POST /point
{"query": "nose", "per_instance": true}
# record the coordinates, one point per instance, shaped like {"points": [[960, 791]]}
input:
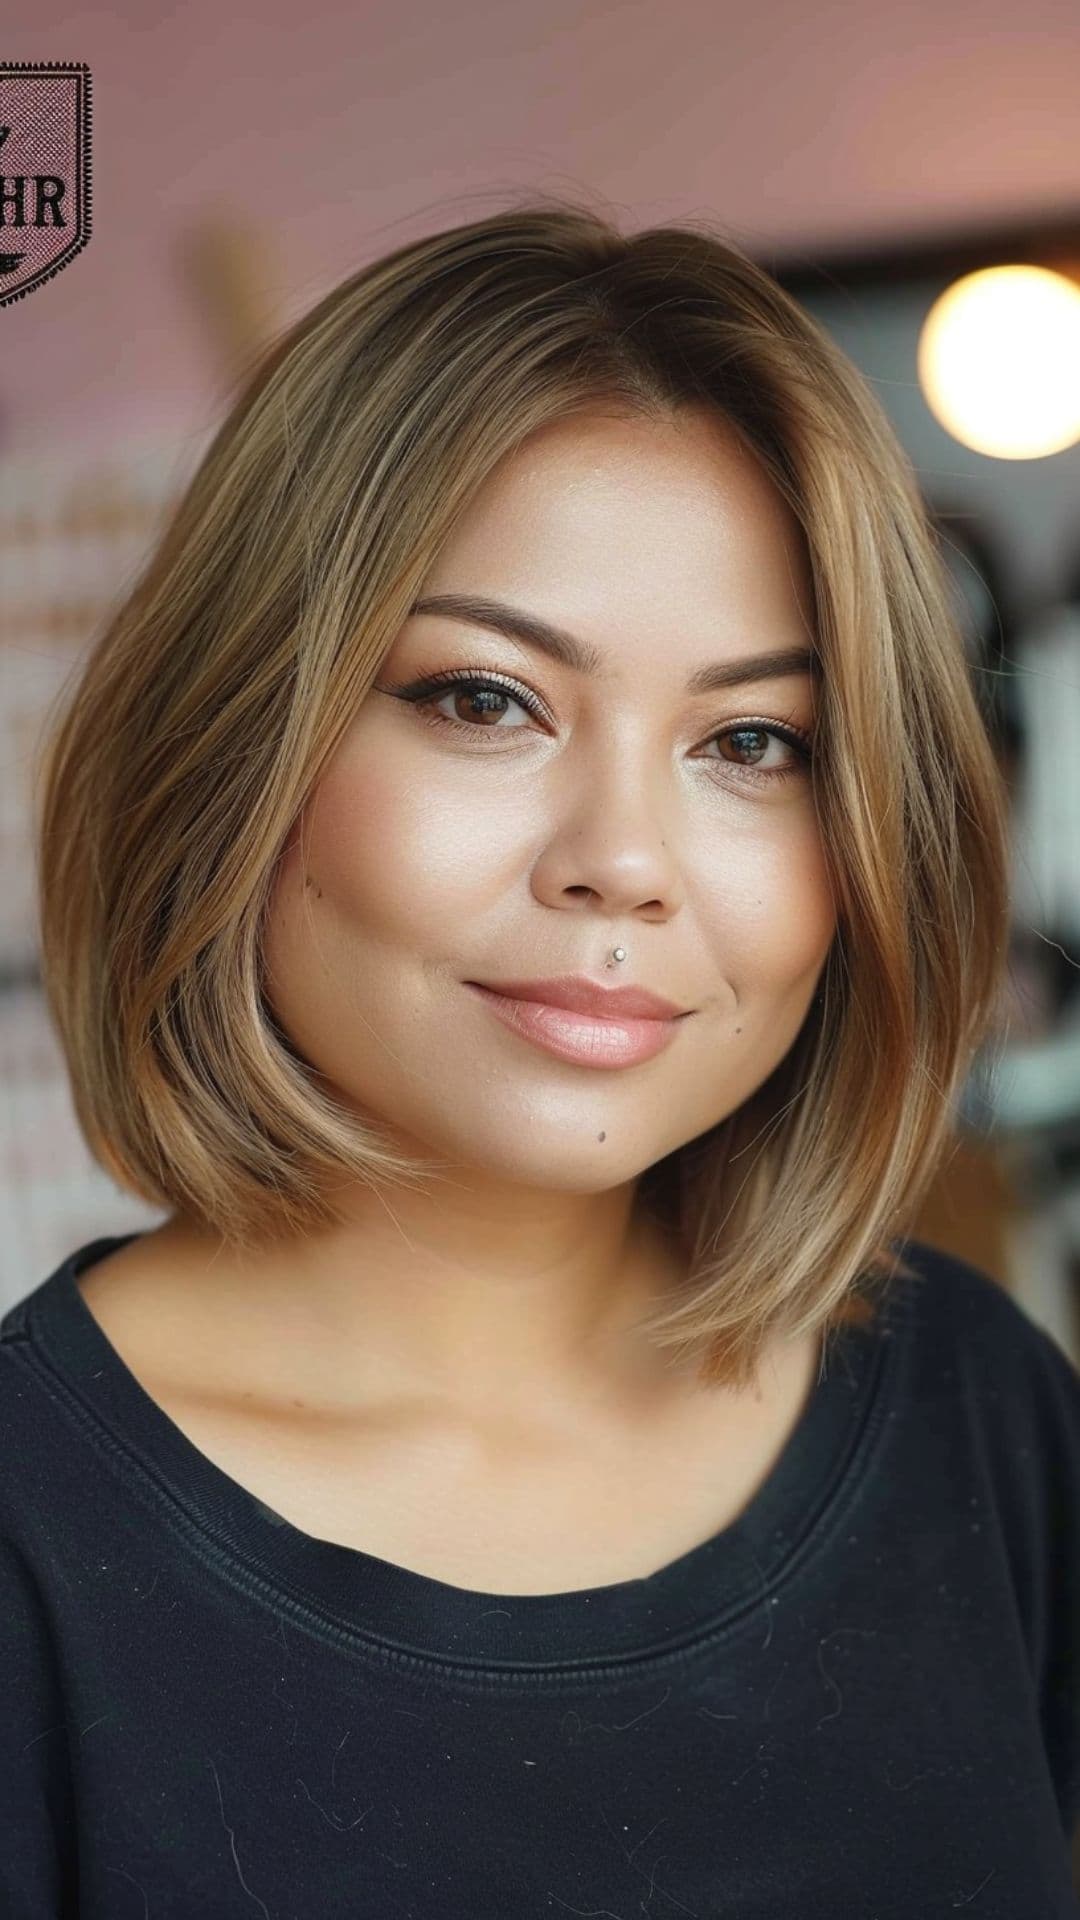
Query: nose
{"points": [[612, 848]]}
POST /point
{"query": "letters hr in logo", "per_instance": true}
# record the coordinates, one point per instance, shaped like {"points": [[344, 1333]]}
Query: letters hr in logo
{"points": [[46, 193], [44, 171]]}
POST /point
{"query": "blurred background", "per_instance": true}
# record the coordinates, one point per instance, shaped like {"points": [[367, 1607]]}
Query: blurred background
{"points": [[911, 174]]}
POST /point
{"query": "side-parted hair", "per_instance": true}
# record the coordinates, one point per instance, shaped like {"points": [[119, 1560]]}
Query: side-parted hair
{"points": [[223, 682]]}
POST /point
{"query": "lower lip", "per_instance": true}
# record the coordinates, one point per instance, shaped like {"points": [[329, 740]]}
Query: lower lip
{"points": [[585, 1038]]}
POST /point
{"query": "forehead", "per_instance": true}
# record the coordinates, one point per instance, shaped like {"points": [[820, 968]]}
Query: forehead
{"points": [[647, 527]]}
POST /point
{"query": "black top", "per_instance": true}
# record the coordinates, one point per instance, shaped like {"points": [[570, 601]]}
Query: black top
{"points": [[860, 1700]]}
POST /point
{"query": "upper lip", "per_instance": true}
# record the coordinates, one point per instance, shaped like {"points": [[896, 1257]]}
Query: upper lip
{"points": [[579, 994]]}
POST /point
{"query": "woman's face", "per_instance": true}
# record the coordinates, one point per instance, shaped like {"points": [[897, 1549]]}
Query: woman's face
{"points": [[624, 811]]}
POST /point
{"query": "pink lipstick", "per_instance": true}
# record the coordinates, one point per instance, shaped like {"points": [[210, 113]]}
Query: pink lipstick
{"points": [[576, 1019]]}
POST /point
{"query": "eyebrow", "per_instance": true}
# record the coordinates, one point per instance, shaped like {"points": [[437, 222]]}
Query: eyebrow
{"points": [[571, 652]]}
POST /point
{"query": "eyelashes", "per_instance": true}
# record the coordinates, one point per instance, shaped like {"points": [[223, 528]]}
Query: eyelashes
{"points": [[424, 693]]}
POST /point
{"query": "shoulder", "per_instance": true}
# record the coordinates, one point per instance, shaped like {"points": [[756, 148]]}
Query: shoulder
{"points": [[33, 1428], [951, 1297], [1000, 1391], [982, 1374], [49, 1356]]}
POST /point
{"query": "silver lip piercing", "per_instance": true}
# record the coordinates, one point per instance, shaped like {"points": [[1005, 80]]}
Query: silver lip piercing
{"points": [[617, 953]]}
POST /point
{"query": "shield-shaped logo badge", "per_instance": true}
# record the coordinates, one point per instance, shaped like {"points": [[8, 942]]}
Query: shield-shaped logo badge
{"points": [[44, 171]]}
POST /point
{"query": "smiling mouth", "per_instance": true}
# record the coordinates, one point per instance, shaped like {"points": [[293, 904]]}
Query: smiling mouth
{"points": [[586, 1039]]}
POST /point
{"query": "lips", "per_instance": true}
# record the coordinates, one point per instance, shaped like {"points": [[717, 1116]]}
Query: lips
{"points": [[583, 1039], [578, 994]]}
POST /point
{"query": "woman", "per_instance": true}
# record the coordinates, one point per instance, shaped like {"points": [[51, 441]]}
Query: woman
{"points": [[523, 881]]}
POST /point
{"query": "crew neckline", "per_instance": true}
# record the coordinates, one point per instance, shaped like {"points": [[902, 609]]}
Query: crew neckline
{"points": [[399, 1613]]}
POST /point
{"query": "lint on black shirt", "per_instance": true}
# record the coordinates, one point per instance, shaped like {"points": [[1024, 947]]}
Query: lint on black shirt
{"points": [[860, 1699]]}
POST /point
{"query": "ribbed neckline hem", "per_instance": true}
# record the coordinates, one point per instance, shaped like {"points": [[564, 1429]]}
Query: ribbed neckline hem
{"points": [[401, 1612]]}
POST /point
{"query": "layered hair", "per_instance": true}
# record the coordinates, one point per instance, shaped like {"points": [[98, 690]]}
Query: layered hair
{"points": [[224, 680]]}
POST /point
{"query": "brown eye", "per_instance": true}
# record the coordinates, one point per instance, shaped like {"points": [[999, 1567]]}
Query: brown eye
{"points": [[755, 731], [476, 702], [481, 695]]}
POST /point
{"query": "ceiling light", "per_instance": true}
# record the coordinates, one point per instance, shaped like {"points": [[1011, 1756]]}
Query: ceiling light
{"points": [[999, 361]]}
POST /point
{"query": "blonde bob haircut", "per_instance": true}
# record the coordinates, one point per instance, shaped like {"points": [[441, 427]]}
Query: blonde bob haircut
{"points": [[224, 680]]}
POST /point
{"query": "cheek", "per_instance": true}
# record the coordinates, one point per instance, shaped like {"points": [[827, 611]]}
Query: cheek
{"points": [[387, 856], [771, 908]]}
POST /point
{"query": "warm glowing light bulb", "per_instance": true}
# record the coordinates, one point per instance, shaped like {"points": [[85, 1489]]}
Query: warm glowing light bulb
{"points": [[999, 361]]}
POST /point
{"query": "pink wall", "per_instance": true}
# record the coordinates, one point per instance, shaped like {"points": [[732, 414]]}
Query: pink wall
{"points": [[342, 130]]}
